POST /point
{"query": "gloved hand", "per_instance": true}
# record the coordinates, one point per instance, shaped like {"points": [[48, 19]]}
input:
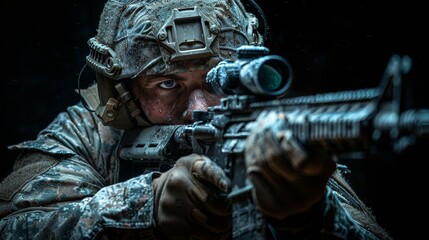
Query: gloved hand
{"points": [[286, 179], [187, 203]]}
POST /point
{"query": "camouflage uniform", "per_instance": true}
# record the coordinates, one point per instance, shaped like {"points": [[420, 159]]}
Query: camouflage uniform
{"points": [[65, 186]]}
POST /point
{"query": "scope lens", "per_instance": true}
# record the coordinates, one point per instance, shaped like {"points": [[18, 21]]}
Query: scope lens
{"points": [[269, 78]]}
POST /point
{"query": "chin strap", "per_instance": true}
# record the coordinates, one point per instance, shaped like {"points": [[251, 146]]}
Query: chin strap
{"points": [[113, 109], [109, 112], [132, 105]]}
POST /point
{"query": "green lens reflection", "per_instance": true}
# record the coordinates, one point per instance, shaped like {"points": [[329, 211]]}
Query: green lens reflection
{"points": [[269, 78]]}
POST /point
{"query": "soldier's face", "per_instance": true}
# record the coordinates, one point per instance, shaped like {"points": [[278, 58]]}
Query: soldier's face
{"points": [[171, 99]]}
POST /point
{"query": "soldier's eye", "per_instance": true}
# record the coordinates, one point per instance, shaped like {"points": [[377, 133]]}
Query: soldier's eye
{"points": [[168, 84]]}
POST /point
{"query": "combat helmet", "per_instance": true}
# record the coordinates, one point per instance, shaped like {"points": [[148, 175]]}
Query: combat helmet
{"points": [[161, 37]]}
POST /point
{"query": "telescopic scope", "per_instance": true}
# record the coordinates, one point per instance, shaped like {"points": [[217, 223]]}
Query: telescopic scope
{"points": [[269, 75]]}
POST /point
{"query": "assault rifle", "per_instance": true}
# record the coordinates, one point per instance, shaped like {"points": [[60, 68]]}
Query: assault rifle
{"points": [[358, 121]]}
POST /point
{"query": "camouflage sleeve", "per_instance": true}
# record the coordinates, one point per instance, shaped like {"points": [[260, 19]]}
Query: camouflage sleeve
{"points": [[340, 215], [346, 216], [62, 186]]}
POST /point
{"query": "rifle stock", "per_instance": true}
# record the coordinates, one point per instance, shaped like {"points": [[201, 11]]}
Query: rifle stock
{"points": [[368, 121]]}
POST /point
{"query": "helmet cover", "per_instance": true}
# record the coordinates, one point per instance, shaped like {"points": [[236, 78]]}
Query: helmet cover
{"points": [[142, 34]]}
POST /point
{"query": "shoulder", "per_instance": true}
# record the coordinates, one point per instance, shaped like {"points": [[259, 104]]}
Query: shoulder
{"points": [[76, 129]]}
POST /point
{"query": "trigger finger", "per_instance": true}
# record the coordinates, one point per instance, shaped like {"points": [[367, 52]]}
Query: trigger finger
{"points": [[206, 169]]}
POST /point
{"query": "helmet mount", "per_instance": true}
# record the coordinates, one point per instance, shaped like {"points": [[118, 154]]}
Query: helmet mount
{"points": [[187, 35]]}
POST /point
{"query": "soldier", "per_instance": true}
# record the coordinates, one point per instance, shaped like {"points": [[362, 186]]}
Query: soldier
{"points": [[150, 59]]}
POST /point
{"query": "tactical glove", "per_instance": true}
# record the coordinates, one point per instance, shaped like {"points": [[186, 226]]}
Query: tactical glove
{"points": [[187, 203], [286, 179]]}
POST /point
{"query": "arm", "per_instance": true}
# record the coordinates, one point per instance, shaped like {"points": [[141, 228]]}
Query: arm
{"points": [[339, 215], [302, 194], [59, 187]]}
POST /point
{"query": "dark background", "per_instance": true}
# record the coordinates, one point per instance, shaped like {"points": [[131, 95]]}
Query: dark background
{"points": [[332, 46]]}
